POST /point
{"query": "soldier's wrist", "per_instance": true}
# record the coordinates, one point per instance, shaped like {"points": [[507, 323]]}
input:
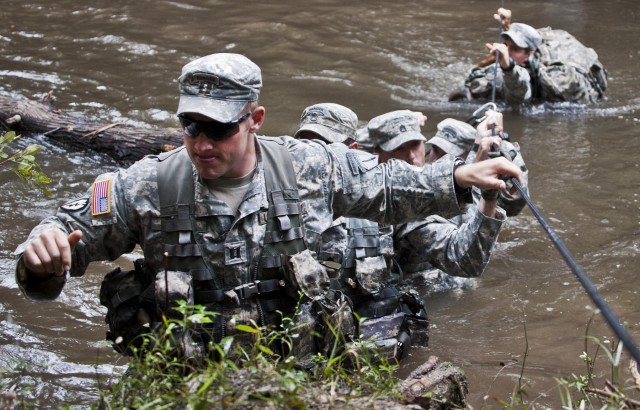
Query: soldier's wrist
{"points": [[463, 194], [511, 66], [490, 194]]}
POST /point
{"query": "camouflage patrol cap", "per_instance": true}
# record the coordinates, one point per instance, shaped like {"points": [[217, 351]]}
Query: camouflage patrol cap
{"points": [[219, 86], [333, 122], [523, 35], [389, 131], [454, 137]]}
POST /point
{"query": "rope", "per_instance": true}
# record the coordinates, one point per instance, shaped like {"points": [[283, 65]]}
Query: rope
{"points": [[495, 65], [602, 305], [610, 317]]}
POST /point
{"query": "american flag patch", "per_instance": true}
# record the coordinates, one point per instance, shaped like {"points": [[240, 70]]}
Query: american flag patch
{"points": [[100, 203]]}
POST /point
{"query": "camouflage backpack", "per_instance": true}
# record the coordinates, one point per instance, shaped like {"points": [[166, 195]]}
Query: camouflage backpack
{"points": [[565, 70]]}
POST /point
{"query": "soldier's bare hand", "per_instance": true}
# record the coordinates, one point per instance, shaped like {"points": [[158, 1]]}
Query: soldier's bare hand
{"points": [[492, 125], [422, 119], [50, 253], [486, 174], [485, 146], [502, 14], [503, 51]]}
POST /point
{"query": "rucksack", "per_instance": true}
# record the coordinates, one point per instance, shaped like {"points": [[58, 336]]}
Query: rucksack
{"points": [[565, 70]]}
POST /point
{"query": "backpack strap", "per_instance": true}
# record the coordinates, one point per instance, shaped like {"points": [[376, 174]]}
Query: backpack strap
{"points": [[284, 234]]}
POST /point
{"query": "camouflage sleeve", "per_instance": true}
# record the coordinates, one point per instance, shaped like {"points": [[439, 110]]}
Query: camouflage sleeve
{"points": [[517, 85], [103, 217], [390, 193], [459, 250]]}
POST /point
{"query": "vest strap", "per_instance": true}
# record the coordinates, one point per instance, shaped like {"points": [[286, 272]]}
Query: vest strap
{"points": [[275, 261], [277, 236], [181, 251]]}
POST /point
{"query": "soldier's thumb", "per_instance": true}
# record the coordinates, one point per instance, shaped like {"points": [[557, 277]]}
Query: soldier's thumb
{"points": [[74, 238]]}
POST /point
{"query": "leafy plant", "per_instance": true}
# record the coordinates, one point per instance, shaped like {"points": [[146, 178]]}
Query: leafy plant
{"points": [[235, 375], [23, 163]]}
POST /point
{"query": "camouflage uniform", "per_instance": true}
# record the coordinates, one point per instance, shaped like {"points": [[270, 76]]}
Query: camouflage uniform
{"points": [[359, 255], [332, 181], [432, 252], [560, 69], [457, 249]]}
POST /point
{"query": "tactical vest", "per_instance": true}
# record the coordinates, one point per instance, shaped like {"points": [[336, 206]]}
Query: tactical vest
{"points": [[363, 241], [284, 232], [362, 271]]}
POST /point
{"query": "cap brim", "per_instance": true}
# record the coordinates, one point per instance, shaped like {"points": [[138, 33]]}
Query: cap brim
{"points": [[326, 133], [516, 38], [446, 146], [401, 139], [218, 110]]}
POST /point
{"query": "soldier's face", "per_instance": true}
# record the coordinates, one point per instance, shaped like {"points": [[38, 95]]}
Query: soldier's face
{"points": [[411, 152], [519, 55], [434, 154], [232, 157]]}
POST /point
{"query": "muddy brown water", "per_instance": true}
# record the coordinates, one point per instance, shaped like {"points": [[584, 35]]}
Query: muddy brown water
{"points": [[118, 61]]}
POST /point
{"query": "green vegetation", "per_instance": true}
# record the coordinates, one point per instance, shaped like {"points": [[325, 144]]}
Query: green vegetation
{"points": [[23, 163], [261, 378], [236, 378], [580, 391]]}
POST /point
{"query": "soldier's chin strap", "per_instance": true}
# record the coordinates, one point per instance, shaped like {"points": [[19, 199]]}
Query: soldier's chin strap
{"points": [[602, 305]]}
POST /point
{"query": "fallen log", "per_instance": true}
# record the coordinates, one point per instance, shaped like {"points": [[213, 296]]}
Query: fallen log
{"points": [[123, 142]]}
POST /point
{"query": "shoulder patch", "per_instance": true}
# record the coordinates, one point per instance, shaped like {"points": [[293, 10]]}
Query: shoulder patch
{"points": [[101, 197], [361, 161], [353, 163], [76, 205]]}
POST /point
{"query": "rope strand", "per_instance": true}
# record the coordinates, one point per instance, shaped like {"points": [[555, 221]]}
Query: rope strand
{"points": [[602, 305]]}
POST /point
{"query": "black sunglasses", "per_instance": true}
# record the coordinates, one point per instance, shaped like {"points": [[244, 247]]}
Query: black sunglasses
{"points": [[217, 131]]}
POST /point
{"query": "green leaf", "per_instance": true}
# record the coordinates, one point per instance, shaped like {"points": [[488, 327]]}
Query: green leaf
{"points": [[248, 329], [266, 350], [33, 149], [199, 318]]}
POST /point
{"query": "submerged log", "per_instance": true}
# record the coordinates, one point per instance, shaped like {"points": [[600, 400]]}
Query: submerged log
{"points": [[121, 141]]}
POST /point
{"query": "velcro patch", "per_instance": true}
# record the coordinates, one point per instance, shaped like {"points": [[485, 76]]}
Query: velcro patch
{"points": [[235, 252], [101, 197], [76, 205], [354, 164], [360, 162]]}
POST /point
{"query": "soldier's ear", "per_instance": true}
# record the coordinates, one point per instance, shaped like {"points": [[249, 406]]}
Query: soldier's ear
{"points": [[257, 118]]}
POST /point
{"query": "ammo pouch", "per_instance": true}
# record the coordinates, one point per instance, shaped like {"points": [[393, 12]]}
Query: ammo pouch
{"points": [[306, 275], [480, 82], [322, 326], [395, 320], [171, 287], [371, 273], [130, 307], [390, 336], [336, 324]]}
